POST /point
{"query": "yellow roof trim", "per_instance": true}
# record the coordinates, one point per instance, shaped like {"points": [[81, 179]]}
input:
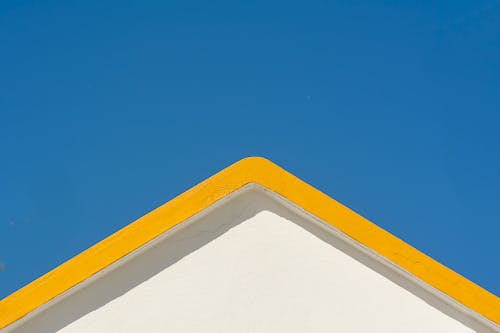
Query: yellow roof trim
{"points": [[249, 170]]}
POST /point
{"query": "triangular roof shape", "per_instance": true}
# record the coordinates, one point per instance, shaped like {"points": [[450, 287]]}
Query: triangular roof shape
{"points": [[260, 171]]}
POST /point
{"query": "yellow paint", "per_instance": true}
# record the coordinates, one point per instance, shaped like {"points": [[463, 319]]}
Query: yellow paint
{"points": [[250, 170]]}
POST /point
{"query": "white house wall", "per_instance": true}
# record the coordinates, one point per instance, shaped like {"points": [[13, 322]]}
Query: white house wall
{"points": [[250, 265]]}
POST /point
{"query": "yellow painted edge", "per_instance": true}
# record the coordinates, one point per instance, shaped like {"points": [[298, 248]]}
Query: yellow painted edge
{"points": [[250, 170]]}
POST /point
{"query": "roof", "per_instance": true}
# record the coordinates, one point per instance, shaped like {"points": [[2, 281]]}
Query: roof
{"points": [[267, 174]]}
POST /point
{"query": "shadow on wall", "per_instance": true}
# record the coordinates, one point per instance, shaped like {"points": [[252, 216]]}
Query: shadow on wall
{"points": [[191, 236]]}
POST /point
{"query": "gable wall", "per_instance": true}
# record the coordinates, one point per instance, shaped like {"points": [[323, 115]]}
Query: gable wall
{"points": [[251, 264]]}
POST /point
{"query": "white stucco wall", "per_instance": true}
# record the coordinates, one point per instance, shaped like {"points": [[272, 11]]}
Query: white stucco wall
{"points": [[250, 265]]}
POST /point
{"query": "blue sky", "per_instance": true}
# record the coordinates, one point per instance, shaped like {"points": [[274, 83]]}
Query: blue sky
{"points": [[110, 108]]}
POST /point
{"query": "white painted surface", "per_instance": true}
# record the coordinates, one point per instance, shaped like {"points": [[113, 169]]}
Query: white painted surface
{"points": [[250, 266]]}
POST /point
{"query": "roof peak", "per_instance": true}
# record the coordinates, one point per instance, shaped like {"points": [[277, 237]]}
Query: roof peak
{"points": [[265, 173]]}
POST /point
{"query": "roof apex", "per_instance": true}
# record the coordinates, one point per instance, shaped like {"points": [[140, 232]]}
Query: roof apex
{"points": [[261, 171]]}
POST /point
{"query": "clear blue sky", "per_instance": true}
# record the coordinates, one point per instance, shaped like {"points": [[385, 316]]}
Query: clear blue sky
{"points": [[110, 108]]}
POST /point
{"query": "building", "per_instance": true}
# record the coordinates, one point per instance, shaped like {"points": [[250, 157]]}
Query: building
{"points": [[251, 249]]}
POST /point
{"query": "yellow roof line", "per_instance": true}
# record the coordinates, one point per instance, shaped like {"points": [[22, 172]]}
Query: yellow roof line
{"points": [[265, 173]]}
